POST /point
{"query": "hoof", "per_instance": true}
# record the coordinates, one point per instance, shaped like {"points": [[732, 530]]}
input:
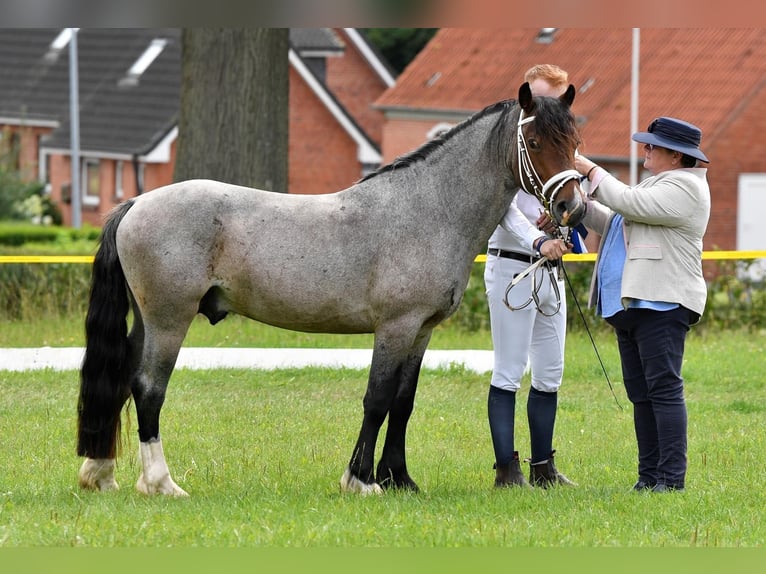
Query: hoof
{"points": [[165, 486], [155, 476], [350, 483], [405, 483], [97, 474]]}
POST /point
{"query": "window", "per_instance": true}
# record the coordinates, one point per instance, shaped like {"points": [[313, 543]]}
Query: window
{"points": [[545, 35], [143, 62], [91, 182]]}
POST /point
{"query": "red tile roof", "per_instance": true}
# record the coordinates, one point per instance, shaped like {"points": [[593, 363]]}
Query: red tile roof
{"points": [[704, 76]]}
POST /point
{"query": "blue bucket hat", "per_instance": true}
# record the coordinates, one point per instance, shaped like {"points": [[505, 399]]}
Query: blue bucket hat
{"points": [[674, 134]]}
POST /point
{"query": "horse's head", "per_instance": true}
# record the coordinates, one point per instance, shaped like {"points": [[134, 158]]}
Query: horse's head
{"points": [[547, 140]]}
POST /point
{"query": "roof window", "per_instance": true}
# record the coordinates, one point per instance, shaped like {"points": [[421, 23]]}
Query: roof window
{"points": [[545, 35], [143, 62], [59, 43]]}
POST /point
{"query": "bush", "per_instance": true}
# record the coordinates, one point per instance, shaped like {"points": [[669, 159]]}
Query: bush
{"points": [[15, 196], [15, 234], [30, 291], [736, 297]]}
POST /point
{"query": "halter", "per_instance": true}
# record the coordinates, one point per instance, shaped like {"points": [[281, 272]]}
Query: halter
{"points": [[529, 176], [546, 196]]}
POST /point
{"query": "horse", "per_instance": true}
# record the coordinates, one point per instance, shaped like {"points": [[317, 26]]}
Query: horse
{"points": [[390, 255]]}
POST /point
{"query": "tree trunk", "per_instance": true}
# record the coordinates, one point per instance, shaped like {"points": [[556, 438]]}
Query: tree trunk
{"points": [[233, 123]]}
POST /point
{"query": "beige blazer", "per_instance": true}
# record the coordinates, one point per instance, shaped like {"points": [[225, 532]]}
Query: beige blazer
{"points": [[665, 219]]}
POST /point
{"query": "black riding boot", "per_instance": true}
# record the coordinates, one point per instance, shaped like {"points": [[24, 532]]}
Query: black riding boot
{"points": [[544, 474], [541, 413], [510, 474], [501, 407]]}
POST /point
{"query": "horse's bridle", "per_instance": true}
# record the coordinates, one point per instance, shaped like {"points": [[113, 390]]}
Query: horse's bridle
{"points": [[529, 176], [546, 196]]}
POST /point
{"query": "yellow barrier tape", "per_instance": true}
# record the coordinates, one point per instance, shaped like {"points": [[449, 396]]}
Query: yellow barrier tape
{"points": [[574, 257], [706, 255], [46, 259]]}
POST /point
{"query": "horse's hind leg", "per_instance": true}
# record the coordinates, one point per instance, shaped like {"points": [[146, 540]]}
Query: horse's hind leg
{"points": [[98, 474], [392, 467], [160, 351]]}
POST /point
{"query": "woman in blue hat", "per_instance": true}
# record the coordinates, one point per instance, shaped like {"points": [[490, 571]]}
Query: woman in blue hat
{"points": [[648, 284]]}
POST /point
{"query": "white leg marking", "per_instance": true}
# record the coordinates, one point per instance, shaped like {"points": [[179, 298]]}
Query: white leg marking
{"points": [[97, 474], [350, 483], [155, 476]]}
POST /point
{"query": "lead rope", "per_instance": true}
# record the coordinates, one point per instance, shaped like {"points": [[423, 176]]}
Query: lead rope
{"points": [[590, 336], [535, 288]]}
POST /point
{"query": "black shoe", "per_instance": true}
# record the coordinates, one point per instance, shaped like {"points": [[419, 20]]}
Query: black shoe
{"points": [[642, 485], [662, 487]]}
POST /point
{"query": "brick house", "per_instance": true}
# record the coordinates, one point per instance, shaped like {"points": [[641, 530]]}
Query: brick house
{"points": [[129, 101], [714, 78]]}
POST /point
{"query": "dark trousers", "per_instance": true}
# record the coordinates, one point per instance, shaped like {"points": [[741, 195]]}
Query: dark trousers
{"points": [[651, 345]]}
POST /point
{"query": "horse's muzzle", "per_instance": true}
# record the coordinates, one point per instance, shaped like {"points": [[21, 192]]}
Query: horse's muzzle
{"points": [[569, 213]]}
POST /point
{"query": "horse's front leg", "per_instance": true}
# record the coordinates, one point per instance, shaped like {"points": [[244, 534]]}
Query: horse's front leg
{"points": [[358, 477], [392, 468], [381, 388]]}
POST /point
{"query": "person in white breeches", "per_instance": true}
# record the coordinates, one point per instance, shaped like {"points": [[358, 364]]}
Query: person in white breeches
{"points": [[534, 332]]}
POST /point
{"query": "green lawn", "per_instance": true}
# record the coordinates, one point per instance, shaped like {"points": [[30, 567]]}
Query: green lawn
{"points": [[261, 454]]}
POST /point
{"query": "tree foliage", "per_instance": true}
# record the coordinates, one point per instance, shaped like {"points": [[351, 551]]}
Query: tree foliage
{"points": [[399, 46]]}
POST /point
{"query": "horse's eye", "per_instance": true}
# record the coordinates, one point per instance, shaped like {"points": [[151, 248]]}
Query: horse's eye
{"points": [[534, 144]]}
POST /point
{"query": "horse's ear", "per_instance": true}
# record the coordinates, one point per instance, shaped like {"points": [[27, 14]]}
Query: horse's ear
{"points": [[525, 97], [568, 96]]}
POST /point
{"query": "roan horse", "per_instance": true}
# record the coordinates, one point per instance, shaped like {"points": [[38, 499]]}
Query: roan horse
{"points": [[390, 255]]}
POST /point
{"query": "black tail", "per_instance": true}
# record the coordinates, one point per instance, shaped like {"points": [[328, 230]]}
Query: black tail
{"points": [[105, 375]]}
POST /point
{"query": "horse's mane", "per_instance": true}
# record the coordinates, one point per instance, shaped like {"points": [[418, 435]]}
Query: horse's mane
{"points": [[419, 154], [549, 119]]}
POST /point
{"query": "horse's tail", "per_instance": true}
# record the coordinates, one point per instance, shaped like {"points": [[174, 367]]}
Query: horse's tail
{"points": [[106, 372]]}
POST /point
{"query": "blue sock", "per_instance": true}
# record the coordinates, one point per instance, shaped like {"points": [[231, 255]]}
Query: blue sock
{"points": [[501, 409], [541, 412]]}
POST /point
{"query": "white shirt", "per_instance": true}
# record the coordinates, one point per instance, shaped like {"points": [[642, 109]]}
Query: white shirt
{"points": [[517, 229]]}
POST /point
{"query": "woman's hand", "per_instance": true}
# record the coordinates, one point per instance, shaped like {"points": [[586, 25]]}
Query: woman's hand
{"points": [[583, 164]]}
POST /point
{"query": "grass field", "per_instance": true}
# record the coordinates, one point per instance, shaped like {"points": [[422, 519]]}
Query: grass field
{"points": [[261, 453]]}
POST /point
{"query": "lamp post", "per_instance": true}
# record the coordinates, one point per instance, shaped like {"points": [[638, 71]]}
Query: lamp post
{"points": [[74, 130], [634, 105]]}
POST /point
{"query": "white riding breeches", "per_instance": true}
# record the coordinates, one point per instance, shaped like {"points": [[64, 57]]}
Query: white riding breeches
{"points": [[525, 335]]}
